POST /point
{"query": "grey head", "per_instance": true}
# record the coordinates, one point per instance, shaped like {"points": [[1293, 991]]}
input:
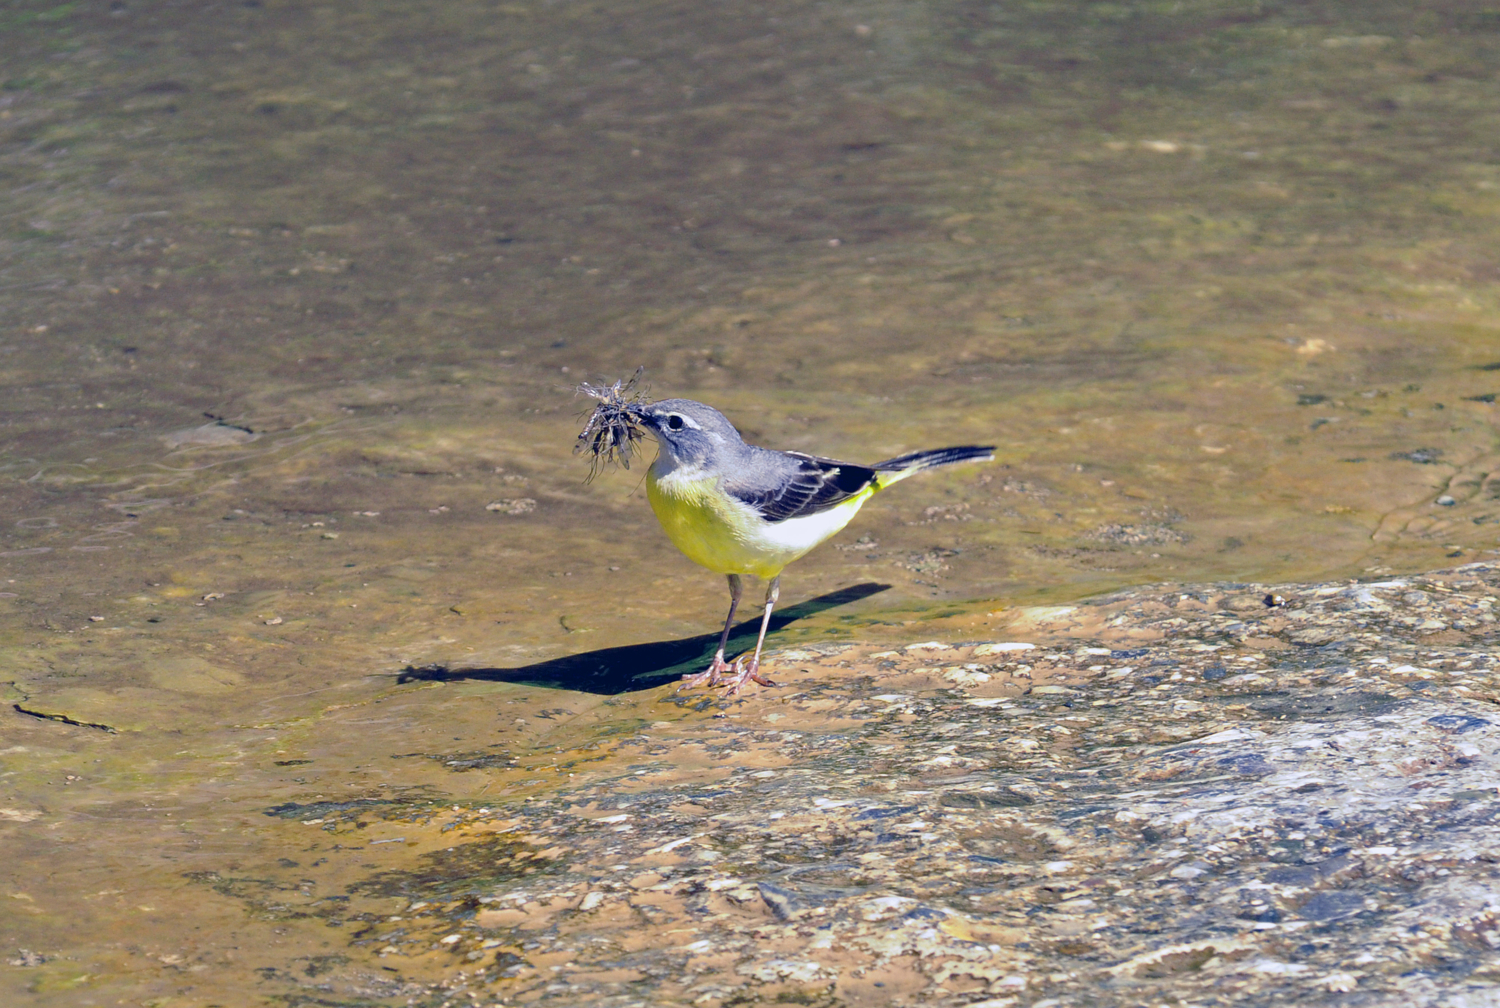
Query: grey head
{"points": [[692, 435]]}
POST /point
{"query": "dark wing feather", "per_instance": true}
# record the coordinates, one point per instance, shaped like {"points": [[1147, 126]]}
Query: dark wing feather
{"points": [[805, 485]]}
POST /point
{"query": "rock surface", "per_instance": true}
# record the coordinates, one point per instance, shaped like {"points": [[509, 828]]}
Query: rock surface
{"points": [[1206, 795]]}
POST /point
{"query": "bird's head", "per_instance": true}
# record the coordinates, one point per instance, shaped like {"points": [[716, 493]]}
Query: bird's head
{"points": [[689, 431]]}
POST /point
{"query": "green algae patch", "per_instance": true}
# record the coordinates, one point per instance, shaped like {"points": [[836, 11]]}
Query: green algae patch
{"points": [[470, 868], [263, 898], [323, 810]]}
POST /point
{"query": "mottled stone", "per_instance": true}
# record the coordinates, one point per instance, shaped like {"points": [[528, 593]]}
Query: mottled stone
{"points": [[1227, 811]]}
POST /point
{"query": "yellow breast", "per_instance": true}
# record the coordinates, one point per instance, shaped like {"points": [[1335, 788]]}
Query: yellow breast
{"points": [[730, 537]]}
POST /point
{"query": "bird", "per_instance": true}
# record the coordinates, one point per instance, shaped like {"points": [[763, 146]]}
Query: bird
{"points": [[739, 510]]}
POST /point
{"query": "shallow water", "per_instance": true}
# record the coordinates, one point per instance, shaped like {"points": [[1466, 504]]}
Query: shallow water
{"points": [[295, 297]]}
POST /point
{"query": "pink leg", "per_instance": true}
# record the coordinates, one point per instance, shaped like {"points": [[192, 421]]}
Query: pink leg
{"points": [[750, 671], [711, 675]]}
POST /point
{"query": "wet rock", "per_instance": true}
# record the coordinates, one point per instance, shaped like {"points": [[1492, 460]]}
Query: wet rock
{"points": [[212, 435], [512, 506], [783, 903], [993, 799], [1421, 456], [1458, 723], [1138, 535]]}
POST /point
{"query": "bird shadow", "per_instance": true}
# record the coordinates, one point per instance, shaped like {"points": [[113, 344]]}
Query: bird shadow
{"points": [[610, 671]]}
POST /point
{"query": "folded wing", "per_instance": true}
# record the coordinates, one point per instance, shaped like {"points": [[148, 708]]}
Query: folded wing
{"points": [[796, 485]]}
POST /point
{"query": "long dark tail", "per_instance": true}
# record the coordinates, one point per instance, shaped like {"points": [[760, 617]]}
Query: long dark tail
{"points": [[937, 457], [902, 466]]}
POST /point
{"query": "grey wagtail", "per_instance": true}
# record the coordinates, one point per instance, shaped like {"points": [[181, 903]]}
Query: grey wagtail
{"points": [[738, 509]]}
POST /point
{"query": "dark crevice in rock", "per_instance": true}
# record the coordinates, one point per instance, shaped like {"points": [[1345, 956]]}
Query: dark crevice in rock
{"points": [[43, 715]]}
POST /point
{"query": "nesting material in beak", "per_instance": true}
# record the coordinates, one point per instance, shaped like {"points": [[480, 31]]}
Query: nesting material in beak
{"points": [[615, 425]]}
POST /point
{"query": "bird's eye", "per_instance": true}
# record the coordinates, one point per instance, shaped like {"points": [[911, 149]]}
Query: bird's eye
{"points": [[675, 422]]}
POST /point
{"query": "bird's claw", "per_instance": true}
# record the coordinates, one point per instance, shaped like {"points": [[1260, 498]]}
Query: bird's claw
{"points": [[711, 676], [745, 669], [749, 671]]}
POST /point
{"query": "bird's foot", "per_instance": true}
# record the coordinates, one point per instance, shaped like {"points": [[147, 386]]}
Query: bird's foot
{"points": [[749, 671], [711, 676]]}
